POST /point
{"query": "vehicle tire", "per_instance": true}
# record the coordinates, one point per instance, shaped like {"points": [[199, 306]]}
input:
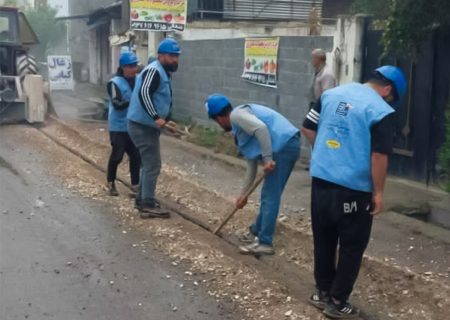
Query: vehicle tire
{"points": [[26, 64]]}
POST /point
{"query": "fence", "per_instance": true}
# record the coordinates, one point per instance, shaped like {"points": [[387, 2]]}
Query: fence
{"points": [[255, 9]]}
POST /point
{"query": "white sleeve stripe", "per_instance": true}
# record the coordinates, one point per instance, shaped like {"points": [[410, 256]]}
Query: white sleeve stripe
{"points": [[113, 90], [146, 97], [312, 115], [144, 89], [312, 119], [144, 93], [315, 112]]}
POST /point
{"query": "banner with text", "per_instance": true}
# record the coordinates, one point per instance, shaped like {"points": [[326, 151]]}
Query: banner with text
{"points": [[158, 15], [60, 72], [261, 61]]}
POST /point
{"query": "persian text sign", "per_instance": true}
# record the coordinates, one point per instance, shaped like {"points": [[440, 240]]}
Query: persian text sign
{"points": [[60, 72], [261, 60], [158, 15]]}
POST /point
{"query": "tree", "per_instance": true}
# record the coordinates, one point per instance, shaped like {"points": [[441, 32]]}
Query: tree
{"points": [[10, 3], [49, 31], [380, 9], [15, 3], [406, 23], [444, 155]]}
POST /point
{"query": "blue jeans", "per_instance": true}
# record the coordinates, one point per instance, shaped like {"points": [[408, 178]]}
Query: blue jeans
{"points": [[264, 226], [146, 139]]}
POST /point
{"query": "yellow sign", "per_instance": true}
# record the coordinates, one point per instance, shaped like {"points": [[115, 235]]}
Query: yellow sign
{"points": [[158, 15], [333, 144], [261, 61]]}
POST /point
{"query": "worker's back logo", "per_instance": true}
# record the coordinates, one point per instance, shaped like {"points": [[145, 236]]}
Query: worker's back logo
{"points": [[333, 144], [343, 108]]}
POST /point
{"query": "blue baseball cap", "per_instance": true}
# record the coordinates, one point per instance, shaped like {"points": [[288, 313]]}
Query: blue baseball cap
{"points": [[169, 46]]}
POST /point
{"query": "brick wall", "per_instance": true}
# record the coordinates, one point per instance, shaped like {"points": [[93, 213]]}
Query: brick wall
{"points": [[209, 66]]}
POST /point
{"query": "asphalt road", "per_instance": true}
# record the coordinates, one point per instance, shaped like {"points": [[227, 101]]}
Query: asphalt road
{"points": [[66, 258]]}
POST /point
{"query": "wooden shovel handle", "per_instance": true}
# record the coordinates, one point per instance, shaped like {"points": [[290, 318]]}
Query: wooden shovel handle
{"points": [[236, 209]]}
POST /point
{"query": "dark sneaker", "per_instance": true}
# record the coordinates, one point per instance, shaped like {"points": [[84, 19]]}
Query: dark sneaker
{"points": [[248, 238], [340, 311], [112, 190], [134, 191], [152, 211], [256, 249], [137, 203], [319, 299]]}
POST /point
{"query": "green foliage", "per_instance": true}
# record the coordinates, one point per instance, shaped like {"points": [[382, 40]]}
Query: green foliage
{"points": [[380, 9], [50, 32], [213, 139], [444, 152], [14, 3], [406, 23]]}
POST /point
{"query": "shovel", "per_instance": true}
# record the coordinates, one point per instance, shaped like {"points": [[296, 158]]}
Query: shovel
{"points": [[236, 209], [173, 128]]}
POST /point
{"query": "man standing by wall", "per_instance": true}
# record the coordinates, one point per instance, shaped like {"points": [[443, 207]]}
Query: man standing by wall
{"points": [[120, 88], [150, 109], [261, 134], [351, 129], [324, 78]]}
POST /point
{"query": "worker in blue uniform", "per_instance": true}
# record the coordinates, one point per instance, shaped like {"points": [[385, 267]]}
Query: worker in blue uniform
{"points": [[120, 88], [262, 135], [351, 130], [150, 108]]}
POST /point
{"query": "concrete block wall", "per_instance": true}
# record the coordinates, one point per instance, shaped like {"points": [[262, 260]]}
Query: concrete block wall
{"points": [[209, 66]]}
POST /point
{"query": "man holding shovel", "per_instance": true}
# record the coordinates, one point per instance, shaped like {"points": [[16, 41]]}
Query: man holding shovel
{"points": [[261, 134], [150, 108]]}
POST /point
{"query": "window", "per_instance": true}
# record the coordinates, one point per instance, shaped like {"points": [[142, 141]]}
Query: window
{"points": [[8, 27], [5, 35]]}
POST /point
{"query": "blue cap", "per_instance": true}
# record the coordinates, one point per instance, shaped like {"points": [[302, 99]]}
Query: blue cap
{"points": [[169, 46], [398, 79], [128, 58], [215, 103]]}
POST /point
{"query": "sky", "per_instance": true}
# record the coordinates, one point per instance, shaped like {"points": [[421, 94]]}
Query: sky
{"points": [[62, 4]]}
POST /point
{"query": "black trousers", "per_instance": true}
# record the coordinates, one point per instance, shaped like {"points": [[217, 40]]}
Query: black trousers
{"points": [[121, 143], [339, 216]]}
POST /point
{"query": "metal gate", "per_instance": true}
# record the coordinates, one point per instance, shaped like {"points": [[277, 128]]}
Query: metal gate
{"points": [[420, 123]]}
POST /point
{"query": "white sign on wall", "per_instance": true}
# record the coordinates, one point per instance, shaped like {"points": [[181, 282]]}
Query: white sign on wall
{"points": [[60, 72]]}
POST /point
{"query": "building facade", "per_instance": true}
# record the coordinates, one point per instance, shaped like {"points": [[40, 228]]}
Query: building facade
{"points": [[89, 43]]}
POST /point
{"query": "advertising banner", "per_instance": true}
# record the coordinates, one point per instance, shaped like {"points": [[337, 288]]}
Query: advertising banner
{"points": [[261, 61], [158, 15]]}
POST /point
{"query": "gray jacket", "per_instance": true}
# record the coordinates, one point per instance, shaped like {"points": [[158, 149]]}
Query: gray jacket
{"points": [[324, 79]]}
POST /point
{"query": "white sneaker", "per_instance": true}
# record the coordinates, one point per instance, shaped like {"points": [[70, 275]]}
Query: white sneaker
{"points": [[248, 238], [256, 249]]}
